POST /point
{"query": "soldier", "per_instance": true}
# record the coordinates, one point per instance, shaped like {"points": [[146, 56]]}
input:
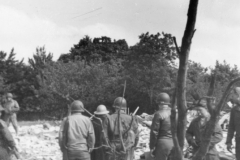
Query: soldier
{"points": [[76, 136], [195, 131], [234, 123], [6, 140], [125, 132], [11, 107], [102, 129], [161, 142]]}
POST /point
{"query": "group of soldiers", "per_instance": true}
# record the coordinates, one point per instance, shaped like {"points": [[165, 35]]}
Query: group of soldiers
{"points": [[101, 137], [114, 137]]}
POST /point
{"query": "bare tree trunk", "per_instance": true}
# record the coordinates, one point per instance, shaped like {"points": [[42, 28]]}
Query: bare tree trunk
{"points": [[215, 112], [177, 154], [182, 72]]}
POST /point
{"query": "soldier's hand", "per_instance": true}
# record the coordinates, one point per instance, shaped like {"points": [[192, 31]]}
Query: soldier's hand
{"points": [[229, 147], [152, 154]]}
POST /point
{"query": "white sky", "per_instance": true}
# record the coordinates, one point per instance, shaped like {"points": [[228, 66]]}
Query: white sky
{"points": [[58, 24]]}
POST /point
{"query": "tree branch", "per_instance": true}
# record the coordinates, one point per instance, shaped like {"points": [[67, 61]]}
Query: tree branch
{"points": [[176, 45]]}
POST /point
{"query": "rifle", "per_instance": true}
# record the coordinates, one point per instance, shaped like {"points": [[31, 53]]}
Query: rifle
{"points": [[119, 121]]}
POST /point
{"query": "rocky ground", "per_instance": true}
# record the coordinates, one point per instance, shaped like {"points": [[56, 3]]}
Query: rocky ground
{"points": [[38, 141]]}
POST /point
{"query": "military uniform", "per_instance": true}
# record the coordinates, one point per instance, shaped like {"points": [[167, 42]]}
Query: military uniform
{"points": [[234, 127], [102, 131], [11, 107], [6, 141], [160, 134], [129, 130], [76, 135], [194, 135]]}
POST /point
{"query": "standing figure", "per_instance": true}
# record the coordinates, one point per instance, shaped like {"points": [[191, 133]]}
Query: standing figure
{"points": [[11, 108], [161, 142], [234, 123], [6, 140], [195, 131], [76, 135], [102, 129], [125, 133]]}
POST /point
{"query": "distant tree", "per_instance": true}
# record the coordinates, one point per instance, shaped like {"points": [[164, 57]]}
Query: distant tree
{"points": [[150, 66], [93, 83], [98, 49]]}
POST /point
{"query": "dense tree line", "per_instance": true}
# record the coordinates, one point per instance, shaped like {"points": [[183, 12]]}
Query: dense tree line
{"points": [[95, 70]]}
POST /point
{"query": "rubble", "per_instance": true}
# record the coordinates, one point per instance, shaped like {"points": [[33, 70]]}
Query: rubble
{"points": [[35, 142]]}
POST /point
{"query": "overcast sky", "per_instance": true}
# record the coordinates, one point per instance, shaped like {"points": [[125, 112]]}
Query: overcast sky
{"points": [[58, 24]]}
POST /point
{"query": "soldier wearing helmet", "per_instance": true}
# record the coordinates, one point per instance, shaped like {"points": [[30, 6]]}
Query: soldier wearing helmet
{"points": [[125, 139], [102, 128], [76, 135], [196, 129], [161, 142], [6, 139], [234, 126], [11, 108]]}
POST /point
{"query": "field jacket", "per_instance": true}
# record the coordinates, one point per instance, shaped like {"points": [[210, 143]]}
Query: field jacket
{"points": [[195, 132], [161, 127]]}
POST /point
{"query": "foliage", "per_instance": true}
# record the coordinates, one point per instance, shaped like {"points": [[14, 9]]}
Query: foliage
{"points": [[93, 83], [150, 61], [98, 49], [95, 71]]}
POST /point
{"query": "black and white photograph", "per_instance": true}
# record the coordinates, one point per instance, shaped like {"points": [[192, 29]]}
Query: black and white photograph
{"points": [[119, 80]]}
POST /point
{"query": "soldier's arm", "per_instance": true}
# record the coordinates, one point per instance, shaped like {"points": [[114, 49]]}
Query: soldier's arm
{"points": [[7, 136], [60, 135], [231, 128], [154, 131], [91, 136], [16, 107], [217, 135]]}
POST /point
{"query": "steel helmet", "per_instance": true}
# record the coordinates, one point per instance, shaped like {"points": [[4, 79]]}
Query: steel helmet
{"points": [[101, 109], [120, 102], [163, 98], [77, 106], [9, 95]]}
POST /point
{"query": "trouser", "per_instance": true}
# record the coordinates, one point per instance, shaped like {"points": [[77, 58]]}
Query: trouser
{"points": [[119, 154], [129, 155], [78, 155], [211, 157], [97, 154], [237, 139], [163, 149], [11, 118]]}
